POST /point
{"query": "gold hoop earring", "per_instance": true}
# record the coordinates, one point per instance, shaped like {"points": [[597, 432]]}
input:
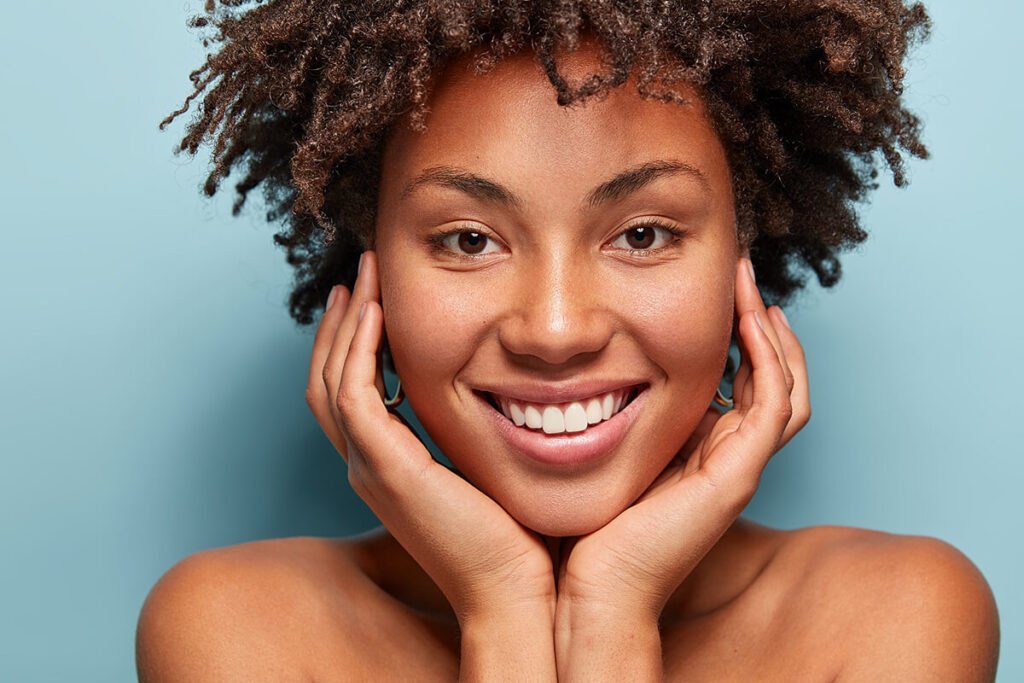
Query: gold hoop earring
{"points": [[722, 400], [395, 400]]}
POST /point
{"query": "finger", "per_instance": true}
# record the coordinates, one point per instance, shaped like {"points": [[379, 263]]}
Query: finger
{"points": [[389, 467], [385, 445], [357, 400], [365, 289], [736, 462], [800, 392], [316, 392], [748, 298], [414, 496]]}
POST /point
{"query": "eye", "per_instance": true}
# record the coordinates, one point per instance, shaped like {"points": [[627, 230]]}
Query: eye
{"points": [[643, 239], [465, 243]]}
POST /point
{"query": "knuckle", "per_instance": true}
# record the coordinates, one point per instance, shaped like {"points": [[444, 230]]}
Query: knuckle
{"points": [[312, 396], [344, 419], [802, 416], [345, 400], [781, 410]]}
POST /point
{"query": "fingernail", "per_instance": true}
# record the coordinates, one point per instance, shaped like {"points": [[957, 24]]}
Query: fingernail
{"points": [[782, 315], [757, 319], [750, 267], [331, 297], [362, 309], [360, 266]]}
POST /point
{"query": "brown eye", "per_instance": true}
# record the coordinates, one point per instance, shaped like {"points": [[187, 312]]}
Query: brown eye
{"points": [[472, 242], [464, 244], [644, 240], [641, 237]]}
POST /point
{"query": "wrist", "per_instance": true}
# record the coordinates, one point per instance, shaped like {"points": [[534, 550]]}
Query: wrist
{"points": [[596, 642], [511, 618], [584, 608], [605, 618], [517, 644], [479, 610]]}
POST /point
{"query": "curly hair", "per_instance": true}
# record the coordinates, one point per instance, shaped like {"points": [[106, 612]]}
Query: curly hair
{"points": [[805, 95]]}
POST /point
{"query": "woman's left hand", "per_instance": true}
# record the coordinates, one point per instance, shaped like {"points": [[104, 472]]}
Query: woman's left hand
{"points": [[626, 571]]}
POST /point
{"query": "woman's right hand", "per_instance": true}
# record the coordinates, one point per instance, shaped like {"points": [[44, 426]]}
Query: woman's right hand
{"points": [[486, 563]]}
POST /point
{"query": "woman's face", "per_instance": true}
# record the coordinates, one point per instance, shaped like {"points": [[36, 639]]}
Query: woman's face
{"points": [[563, 284]]}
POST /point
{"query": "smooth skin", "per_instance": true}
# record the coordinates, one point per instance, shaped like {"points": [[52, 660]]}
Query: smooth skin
{"points": [[490, 575]]}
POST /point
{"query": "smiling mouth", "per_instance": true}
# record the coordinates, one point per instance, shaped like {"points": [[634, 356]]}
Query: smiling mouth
{"points": [[571, 417]]}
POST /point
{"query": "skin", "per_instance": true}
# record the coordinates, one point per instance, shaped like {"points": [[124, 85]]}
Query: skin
{"points": [[636, 566]]}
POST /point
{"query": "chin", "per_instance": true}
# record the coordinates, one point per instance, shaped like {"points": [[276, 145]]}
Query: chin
{"points": [[565, 515], [565, 525]]}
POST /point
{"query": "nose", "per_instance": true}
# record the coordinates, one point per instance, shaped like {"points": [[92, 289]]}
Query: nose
{"points": [[558, 309]]}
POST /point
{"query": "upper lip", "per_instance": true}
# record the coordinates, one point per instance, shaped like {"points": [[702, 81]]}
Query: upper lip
{"points": [[563, 392]]}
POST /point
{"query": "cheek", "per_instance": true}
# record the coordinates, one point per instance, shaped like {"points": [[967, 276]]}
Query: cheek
{"points": [[431, 332], [686, 328], [686, 333]]}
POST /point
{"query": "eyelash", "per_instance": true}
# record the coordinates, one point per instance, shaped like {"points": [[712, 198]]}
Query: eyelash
{"points": [[676, 235], [437, 241]]}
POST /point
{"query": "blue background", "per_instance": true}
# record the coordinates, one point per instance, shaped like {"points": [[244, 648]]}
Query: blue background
{"points": [[151, 381]]}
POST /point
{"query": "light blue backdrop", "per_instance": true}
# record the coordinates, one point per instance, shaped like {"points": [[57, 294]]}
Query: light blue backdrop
{"points": [[151, 381]]}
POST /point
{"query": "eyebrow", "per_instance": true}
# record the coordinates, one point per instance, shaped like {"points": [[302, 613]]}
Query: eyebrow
{"points": [[614, 189]]}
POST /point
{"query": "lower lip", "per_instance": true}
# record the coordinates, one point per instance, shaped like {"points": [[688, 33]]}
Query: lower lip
{"points": [[578, 448]]}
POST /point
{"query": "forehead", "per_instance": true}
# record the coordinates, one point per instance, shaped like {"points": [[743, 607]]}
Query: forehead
{"points": [[507, 123]]}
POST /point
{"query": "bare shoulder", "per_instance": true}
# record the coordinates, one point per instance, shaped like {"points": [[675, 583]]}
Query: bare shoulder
{"points": [[239, 612], [282, 609], [896, 607]]}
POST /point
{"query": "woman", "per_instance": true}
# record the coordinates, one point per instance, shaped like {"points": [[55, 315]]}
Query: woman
{"points": [[559, 287]]}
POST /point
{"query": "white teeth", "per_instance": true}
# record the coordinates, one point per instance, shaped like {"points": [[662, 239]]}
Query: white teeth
{"points": [[575, 418], [557, 419], [554, 420], [533, 418]]}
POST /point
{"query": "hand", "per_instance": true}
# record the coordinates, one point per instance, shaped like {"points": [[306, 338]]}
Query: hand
{"points": [[631, 566], [485, 562]]}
